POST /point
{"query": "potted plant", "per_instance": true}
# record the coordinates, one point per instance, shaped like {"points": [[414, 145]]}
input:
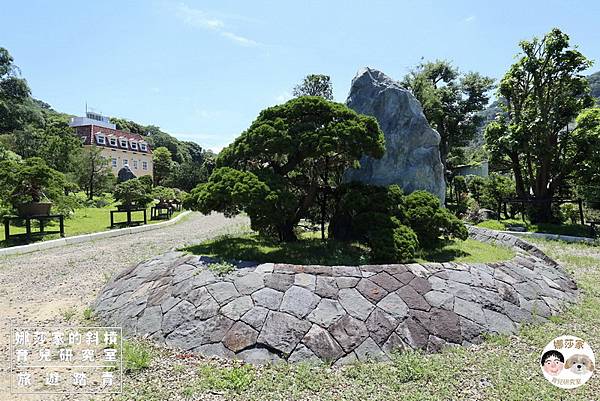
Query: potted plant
{"points": [[132, 194], [34, 185], [164, 196]]}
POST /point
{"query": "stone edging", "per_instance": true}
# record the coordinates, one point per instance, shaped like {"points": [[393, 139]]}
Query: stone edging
{"points": [[38, 246], [547, 236], [271, 312]]}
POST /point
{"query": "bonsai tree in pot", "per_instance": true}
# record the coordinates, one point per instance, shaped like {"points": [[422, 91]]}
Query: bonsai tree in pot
{"points": [[132, 194], [163, 195], [31, 185]]}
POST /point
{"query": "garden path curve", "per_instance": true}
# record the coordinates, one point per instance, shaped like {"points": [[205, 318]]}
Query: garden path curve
{"points": [[49, 286]]}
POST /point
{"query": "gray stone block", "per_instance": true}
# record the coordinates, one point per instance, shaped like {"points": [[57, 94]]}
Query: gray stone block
{"points": [[222, 292], [349, 332], [299, 301], [268, 298], [370, 290], [279, 281], [239, 337], [394, 305], [255, 317], [326, 313], [380, 325], [249, 283], [370, 351], [282, 332], [322, 344], [235, 309], [355, 304], [326, 287], [386, 281]]}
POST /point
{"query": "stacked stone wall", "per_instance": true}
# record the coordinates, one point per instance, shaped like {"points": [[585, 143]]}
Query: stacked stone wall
{"points": [[270, 312]]}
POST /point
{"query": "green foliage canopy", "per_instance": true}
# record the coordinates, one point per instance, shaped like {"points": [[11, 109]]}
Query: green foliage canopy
{"points": [[544, 91], [315, 85], [30, 180], [451, 101], [290, 154], [132, 193]]}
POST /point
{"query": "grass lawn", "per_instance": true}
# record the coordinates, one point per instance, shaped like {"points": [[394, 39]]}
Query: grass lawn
{"points": [[503, 368], [577, 230], [311, 250], [84, 221]]}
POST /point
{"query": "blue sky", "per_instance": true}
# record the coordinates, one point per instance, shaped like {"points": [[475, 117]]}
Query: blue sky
{"points": [[202, 70]]}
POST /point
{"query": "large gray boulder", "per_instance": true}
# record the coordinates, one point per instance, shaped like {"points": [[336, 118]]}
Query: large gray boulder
{"points": [[412, 156]]}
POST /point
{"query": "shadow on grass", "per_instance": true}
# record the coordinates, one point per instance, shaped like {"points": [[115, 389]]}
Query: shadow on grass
{"points": [[310, 250], [445, 254], [252, 247]]}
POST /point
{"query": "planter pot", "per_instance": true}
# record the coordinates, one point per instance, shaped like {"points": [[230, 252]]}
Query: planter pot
{"points": [[34, 209]]}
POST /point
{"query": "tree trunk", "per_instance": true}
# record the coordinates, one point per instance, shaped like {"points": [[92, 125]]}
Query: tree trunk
{"points": [[286, 233], [519, 183]]}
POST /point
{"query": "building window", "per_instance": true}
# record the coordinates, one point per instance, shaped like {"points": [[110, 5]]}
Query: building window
{"points": [[144, 165], [135, 164], [100, 139], [133, 145], [113, 141], [124, 143], [114, 162], [143, 147], [125, 162]]}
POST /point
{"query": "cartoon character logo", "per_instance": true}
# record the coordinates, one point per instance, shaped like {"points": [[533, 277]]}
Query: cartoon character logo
{"points": [[567, 362], [552, 362]]}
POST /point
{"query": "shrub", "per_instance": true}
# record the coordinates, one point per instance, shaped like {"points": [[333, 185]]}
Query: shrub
{"points": [[430, 221], [132, 193], [476, 185], [496, 188], [570, 212], [146, 180], [29, 181], [66, 205], [374, 215], [390, 241], [163, 194]]}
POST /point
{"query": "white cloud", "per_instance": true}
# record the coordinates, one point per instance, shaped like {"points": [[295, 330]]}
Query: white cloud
{"points": [[200, 19], [239, 39], [470, 18], [197, 18]]}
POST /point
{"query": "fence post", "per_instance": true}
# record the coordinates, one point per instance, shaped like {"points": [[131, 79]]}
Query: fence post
{"points": [[580, 202]]}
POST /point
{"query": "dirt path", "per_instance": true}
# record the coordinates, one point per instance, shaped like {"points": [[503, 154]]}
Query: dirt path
{"points": [[55, 286]]}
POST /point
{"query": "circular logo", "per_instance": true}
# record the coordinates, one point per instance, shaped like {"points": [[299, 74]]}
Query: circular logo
{"points": [[568, 362]]}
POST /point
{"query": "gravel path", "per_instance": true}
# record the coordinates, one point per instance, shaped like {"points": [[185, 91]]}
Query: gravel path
{"points": [[55, 286]]}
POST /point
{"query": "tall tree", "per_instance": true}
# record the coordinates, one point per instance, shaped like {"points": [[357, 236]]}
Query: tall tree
{"points": [[451, 101], [163, 164], [275, 170], [53, 140], [94, 174], [315, 85], [543, 91], [14, 95]]}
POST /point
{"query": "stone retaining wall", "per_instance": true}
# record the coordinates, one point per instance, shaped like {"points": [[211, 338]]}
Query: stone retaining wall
{"points": [[269, 312]]}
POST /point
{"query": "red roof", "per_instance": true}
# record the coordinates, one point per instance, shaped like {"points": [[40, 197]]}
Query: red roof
{"points": [[85, 133]]}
